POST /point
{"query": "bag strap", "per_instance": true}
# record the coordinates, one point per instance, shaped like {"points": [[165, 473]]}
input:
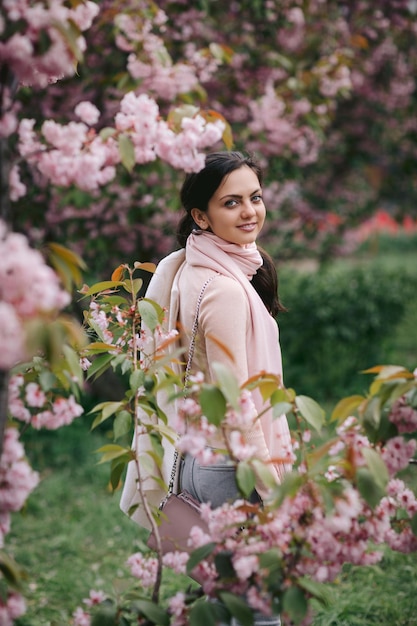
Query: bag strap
{"points": [[191, 350]]}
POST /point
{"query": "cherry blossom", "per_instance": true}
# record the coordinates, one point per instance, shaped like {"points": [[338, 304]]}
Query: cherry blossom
{"points": [[20, 53], [11, 607], [144, 568]]}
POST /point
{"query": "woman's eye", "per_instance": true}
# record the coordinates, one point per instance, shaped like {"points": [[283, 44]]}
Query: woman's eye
{"points": [[257, 198], [230, 203]]}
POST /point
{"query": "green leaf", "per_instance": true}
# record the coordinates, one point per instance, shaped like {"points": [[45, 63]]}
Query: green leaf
{"points": [[122, 424], [105, 616], [136, 380], [73, 361], [111, 451], [311, 411], [238, 608], [368, 487], [202, 614], [10, 570], [280, 408], [268, 385], [127, 152], [272, 562], [153, 612], [106, 409], [198, 555], [107, 132], [319, 591], [134, 286], [47, 380], [245, 478], [117, 468], [264, 474], [228, 384], [280, 395], [346, 407], [103, 286], [295, 603], [224, 565], [290, 485], [213, 404], [70, 32], [98, 346], [372, 415], [151, 313], [376, 466], [99, 366]]}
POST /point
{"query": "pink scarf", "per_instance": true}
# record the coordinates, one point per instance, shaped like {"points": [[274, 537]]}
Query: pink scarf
{"points": [[262, 343]]}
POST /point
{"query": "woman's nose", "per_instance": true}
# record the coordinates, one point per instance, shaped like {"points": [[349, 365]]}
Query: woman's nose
{"points": [[248, 208]]}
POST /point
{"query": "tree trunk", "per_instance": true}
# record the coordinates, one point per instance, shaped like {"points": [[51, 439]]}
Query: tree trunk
{"points": [[4, 381]]}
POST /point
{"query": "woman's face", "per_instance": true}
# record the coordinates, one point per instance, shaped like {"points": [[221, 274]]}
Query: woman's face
{"points": [[236, 211]]}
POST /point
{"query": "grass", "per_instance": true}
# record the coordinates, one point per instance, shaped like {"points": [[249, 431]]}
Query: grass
{"points": [[382, 595], [72, 536]]}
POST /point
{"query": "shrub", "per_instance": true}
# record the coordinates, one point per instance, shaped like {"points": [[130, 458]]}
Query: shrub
{"points": [[340, 321]]}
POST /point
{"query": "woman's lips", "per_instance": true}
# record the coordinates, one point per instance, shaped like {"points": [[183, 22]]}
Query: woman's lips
{"points": [[248, 227]]}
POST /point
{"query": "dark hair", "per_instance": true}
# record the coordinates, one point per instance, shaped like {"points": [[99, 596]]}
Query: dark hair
{"points": [[198, 188], [265, 283], [196, 192]]}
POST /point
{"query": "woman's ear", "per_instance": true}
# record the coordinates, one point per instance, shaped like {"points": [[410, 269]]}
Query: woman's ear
{"points": [[200, 218]]}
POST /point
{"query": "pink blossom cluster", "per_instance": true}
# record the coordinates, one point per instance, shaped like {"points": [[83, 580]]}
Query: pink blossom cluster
{"points": [[334, 77], [196, 430], [70, 154], [75, 154], [153, 137], [28, 289], [81, 617], [24, 28], [22, 52], [112, 324], [178, 609], [17, 479], [284, 132], [149, 61], [403, 415], [11, 607], [29, 403], [8, 120], [397, 453], [351, 441], [144, 568], [347, 533], [292, 36], [400, 505]]}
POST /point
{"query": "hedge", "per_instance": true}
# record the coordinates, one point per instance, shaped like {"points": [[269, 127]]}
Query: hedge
{"points": [[341, 321]]}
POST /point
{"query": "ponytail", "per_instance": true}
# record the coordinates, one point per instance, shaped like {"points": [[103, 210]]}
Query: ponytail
{"points": [[265, 283]]}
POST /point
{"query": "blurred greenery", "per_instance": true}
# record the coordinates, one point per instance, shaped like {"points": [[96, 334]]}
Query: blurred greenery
{"points": [[345, 318]]}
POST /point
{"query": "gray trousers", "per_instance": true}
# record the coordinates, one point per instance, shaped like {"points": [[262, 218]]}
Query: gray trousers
{"points": [[217, 484]]}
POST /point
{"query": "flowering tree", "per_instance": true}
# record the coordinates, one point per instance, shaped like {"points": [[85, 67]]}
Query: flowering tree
{"points": [[324, 93], [341, 502]]}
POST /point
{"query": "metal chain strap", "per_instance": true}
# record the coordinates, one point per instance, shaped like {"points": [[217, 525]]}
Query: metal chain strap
{"points": [[191, 350]]}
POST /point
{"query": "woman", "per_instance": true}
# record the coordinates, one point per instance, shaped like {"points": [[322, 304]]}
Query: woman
{"points": [[224, 214]]}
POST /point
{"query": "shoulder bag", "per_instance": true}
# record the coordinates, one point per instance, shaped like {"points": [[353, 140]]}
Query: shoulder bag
{"points": [[180, 512]]}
